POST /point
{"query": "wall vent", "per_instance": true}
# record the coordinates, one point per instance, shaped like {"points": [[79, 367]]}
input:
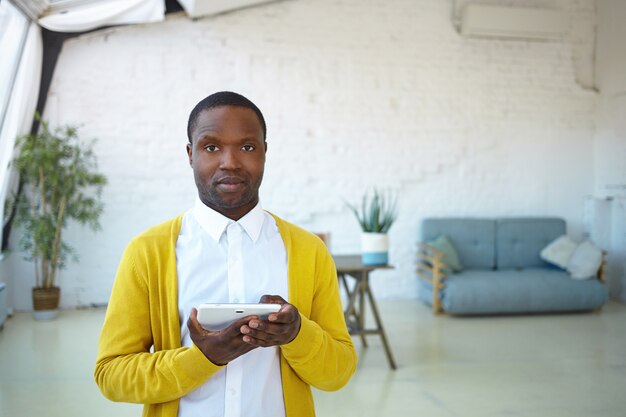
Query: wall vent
{"points": [[479, 20]]}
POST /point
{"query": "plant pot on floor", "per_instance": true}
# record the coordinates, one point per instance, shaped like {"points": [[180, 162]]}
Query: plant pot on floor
{"points": [[58, 184], [375, 248], [46, 303]]}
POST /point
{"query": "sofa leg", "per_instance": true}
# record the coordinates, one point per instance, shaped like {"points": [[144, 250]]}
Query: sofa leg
{"points": [[437, 284]]}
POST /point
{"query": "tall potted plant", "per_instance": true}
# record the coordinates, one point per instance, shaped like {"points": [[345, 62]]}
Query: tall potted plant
{"points": [[375, 215], [60, 183]]}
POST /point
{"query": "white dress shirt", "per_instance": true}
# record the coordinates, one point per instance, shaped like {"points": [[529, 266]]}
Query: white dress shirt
{"points": [[222, 261]]}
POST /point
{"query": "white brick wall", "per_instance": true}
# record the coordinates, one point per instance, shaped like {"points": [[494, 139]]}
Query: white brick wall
{"points": [[356, 93]]}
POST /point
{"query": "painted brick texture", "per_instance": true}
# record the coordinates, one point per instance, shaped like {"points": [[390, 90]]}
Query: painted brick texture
{"points": [[356, 94]]}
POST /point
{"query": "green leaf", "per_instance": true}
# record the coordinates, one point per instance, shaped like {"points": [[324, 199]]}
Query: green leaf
{"points": [[377, 212], [61, 184]]}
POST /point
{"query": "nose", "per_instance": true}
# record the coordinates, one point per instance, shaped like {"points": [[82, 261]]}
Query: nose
{"points": [[229, 159]]}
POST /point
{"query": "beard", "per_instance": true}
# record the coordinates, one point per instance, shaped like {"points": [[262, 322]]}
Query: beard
{"points": [[227, 202]]}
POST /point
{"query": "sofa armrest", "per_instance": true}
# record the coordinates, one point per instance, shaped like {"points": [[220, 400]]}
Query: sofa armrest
{"points": [[430, 267], [602, 269]]}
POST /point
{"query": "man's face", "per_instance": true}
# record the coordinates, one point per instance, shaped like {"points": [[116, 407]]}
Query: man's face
{"points": [[227, 155]]}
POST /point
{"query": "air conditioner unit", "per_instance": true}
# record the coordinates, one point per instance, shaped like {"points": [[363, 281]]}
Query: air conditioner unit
{"points": [[479, 20], [199, 8]]}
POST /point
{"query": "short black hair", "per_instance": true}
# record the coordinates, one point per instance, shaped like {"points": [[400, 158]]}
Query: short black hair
{"points": [[219, 99]]}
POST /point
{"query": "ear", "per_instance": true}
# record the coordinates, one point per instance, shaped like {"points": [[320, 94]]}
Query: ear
{"points": [[265, 146], [190, 152]]}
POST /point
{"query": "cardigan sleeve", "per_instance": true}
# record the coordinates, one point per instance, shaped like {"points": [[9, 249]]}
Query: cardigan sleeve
{"points": [[126, 369], [322, 354]]}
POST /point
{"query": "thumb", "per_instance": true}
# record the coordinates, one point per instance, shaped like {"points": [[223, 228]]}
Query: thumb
{"points": [[192, 324]]}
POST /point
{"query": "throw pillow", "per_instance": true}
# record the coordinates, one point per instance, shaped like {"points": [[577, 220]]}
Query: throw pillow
{"points": [[450, 255], [559, 251], [585, 261]]}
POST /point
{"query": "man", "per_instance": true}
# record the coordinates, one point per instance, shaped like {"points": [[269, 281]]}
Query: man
{"points": [[226, 249]]}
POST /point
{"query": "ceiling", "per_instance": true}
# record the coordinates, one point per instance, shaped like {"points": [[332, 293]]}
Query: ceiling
{"points": [[36, 9]]}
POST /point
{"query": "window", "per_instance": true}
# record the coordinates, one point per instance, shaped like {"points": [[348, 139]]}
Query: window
{"points": [[13, 31]]}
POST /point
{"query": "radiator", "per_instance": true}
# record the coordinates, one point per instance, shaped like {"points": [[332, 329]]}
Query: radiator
{"points": [[3, 303], [605, 224]]}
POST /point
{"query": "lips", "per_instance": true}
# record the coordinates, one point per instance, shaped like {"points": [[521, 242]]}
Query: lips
{"points": [[230, 183], [230, 180]]}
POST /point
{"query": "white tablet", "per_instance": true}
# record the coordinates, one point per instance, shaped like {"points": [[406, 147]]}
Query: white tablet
{"points": [[218, 316]]}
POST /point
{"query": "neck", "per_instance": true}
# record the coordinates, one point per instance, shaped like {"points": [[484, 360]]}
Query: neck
{"points": [[233, 213]]}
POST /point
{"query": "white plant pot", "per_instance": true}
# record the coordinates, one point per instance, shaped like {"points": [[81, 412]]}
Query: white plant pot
{"points": [[375, 248], [45, 315]]}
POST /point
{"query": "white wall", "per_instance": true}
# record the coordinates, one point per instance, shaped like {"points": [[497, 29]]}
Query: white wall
{"points": [[610, 141], [356, 93], [611, 83]]}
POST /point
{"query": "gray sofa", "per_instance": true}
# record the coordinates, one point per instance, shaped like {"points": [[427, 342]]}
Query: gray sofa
{"points": [[503, 272]]}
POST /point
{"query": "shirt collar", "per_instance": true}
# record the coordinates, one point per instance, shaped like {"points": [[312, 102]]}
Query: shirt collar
{"points": [[215, 223]]}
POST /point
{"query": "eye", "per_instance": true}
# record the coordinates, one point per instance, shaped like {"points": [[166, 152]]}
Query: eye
{"points": [[248, 148], [211, 148]]}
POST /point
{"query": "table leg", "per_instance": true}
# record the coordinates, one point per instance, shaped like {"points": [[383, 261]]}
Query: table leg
{"points": [[355, 311], [362, 287], [345, 284], [380, 328], [350, 311]]}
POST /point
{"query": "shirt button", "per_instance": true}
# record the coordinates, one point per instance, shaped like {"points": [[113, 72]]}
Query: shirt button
{"points": [[236, 300], [232, 391]]}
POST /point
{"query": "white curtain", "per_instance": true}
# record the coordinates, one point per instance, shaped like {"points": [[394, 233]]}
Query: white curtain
{"points": [[23, 100], [113, 12], [21, 106]]}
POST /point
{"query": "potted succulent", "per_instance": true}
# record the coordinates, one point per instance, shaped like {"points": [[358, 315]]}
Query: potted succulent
{"points": [[59, 183], [375, 215]]}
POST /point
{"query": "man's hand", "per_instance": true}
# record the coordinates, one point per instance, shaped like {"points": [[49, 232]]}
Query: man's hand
{"points": [[221, 346], [279, 328]]}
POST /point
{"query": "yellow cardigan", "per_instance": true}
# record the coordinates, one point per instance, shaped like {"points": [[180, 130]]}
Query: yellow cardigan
{"points": [[143, 313]]}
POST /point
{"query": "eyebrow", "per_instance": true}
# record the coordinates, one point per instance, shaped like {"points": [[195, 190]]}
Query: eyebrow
{"points": [[208, 137]]}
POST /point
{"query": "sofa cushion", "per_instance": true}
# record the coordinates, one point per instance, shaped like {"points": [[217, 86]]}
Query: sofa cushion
{"points": [[585, 261], [450, 255], [474, 239], [519, 241], [513, 291], [559, 251]]}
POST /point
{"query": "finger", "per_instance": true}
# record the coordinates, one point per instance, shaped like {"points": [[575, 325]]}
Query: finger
{"points": [[272, 299], [234, 328], [287, 314], [264, 339], [254, 325], [257, 342], [274, 334], [258, 323], [192, 323], [270, 332]]}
